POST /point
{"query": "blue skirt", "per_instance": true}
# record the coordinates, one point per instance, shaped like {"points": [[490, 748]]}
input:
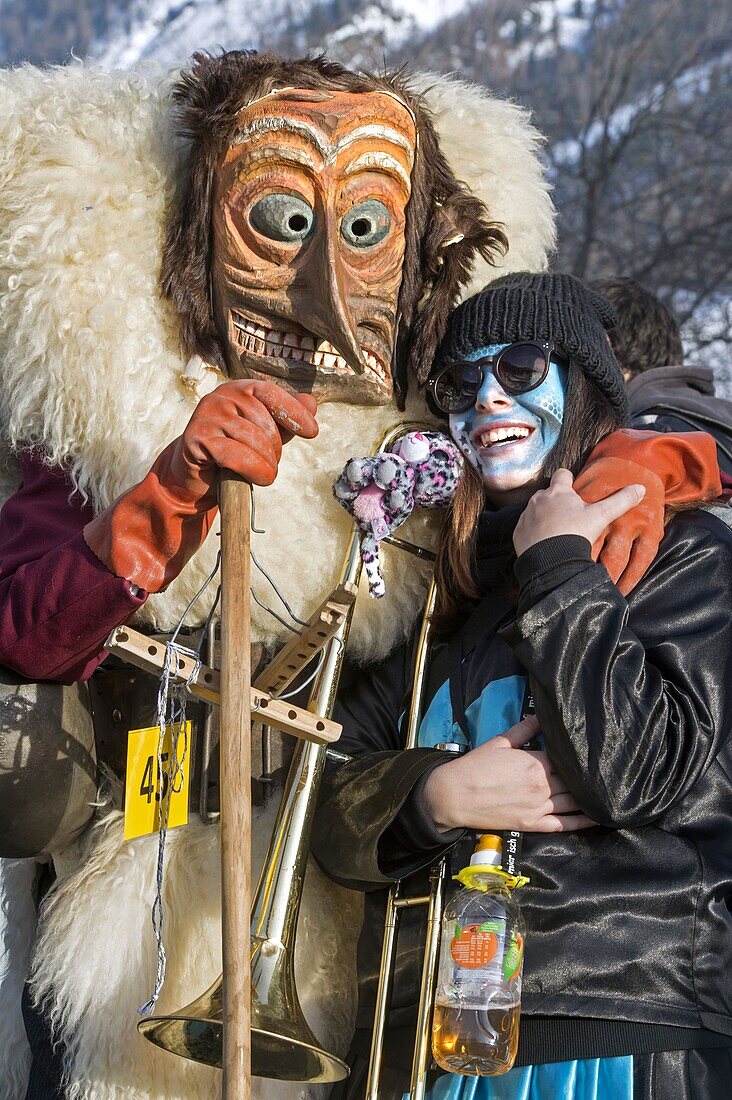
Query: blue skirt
{"points": [[591, 1079]]}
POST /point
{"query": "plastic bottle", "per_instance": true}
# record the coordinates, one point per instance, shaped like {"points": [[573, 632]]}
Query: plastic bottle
{"points": [[478, 997]]}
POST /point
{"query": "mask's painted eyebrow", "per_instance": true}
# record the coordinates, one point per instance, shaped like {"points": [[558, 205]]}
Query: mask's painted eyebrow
{"points": [[270, 125], [383, 133], [283, 153], [384, 162]]}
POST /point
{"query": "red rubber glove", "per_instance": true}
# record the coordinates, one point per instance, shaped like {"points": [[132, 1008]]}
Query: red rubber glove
{"points": [[153, 529], [674, 467]]}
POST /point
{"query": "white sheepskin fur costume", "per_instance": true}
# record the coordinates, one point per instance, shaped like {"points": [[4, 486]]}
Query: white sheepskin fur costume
{"points": [[90, 368]]}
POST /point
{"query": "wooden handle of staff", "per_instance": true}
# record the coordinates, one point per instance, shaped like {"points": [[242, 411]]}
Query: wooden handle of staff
{"points": [[236, 772]]}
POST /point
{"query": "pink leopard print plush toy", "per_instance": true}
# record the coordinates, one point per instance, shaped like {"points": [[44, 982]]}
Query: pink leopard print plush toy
{"points": [[422, 468]]}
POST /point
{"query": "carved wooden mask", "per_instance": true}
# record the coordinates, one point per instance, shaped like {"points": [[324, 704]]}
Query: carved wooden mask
{"points": [[308, 240]]}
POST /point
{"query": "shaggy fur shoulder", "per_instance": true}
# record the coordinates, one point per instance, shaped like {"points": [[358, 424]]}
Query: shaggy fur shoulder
{"points": [[90, 363], [492, 145], [93, 967]]}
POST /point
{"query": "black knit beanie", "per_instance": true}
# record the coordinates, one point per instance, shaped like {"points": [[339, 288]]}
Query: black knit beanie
{"points": [[525, 306]]}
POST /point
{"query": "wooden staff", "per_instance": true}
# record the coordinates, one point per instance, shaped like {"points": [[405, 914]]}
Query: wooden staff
{"points": [[236, 773]]}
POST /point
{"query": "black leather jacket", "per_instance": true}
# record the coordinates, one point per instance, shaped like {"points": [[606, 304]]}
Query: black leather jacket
{"points": [[628, 923]]}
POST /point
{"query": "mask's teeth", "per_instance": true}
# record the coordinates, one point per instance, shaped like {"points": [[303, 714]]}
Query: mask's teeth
{"points": [[375, 367], [255, 339]]}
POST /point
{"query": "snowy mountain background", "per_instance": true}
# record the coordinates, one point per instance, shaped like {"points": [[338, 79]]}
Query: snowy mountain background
{"points": [[633, 95]]}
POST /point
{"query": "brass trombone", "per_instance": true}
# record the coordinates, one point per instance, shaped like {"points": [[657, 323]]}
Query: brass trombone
{"points": [[283, 1045]]}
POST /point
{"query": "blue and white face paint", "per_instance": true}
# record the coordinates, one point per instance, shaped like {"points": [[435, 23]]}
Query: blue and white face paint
{"points": [[509, 438]]}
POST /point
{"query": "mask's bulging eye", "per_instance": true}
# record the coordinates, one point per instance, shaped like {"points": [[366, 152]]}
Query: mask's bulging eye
{"points": [[366, 224], [282, 218]]}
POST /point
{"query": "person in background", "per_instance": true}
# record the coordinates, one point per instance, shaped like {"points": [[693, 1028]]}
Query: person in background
{"points": [[664, 394]]}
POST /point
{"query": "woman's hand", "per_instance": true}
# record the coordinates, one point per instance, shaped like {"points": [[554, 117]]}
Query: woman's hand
{"points": [[500, 785], [558, 510]]}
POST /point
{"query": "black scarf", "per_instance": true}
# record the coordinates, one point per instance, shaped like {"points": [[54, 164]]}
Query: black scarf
{"points": [[494, 552], [492, 566]]}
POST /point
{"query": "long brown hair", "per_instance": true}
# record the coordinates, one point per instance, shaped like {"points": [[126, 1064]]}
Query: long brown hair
{"points": [[588, 418]]}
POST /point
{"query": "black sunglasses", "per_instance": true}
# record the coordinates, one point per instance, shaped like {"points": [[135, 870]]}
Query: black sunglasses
{"points": [[518, 368]]}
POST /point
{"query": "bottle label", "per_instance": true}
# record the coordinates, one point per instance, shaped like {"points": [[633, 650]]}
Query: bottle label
{"points": [[480, 964], [475, 946], [514, 957]]}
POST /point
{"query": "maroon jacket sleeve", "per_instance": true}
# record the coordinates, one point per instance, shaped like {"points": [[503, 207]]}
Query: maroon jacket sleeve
{"points": [[58, 602]]}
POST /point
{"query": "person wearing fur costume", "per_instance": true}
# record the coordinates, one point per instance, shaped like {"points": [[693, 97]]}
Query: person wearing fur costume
{"points": [[312, 236]]}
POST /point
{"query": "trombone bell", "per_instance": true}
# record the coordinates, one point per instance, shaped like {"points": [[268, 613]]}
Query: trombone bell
{"points": [[283, 1046]]}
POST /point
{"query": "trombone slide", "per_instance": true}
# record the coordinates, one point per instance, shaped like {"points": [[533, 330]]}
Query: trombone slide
{"points": [[422, 1045], [434, 901]]}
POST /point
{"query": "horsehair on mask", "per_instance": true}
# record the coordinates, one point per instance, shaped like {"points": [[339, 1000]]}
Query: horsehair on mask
{"points": [[447, 227]]}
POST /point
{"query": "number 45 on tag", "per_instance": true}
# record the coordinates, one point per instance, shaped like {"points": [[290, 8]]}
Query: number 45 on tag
{"points": [[143, 797]]}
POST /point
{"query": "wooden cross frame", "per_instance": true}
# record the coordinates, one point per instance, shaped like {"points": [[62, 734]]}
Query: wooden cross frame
{"points": [[148, 654]]}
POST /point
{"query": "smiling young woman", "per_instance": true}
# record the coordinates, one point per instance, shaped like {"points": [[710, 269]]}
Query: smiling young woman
{"points": [[502, 474], [627, 807]]}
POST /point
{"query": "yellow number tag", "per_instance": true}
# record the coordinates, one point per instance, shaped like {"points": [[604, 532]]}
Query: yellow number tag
{"points": [[143, 799]]}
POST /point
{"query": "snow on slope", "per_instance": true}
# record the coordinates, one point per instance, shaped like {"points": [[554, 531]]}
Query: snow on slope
{"points": [[168, 31], [559, 24], [398, 21]]}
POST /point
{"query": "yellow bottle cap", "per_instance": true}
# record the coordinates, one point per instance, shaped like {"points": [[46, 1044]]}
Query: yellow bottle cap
{"points": [[486, 861], [478, 878], [489, 842], [487, 851]]}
